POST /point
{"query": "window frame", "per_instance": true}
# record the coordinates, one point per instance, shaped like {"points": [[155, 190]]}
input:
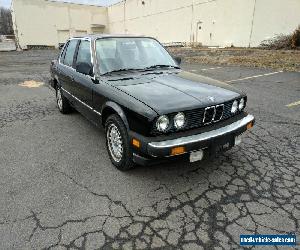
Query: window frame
{"points": [[77, 50], [63, 55], [63, 52], [96, 58]]}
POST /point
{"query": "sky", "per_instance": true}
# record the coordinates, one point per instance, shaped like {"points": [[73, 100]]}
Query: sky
{"points": [[6, 3]]}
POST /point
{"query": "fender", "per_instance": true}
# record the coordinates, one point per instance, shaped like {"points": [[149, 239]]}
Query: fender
{"points": [[117, 108]]}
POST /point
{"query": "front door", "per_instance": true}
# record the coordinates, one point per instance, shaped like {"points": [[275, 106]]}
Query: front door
{"points": [[83, 83]]}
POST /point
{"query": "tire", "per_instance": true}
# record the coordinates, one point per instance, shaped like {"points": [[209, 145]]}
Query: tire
{"points": [[62, 102], [119, 151]]}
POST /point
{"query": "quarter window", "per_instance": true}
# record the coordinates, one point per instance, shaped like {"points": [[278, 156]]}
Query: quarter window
{"points": [[69, 55]]}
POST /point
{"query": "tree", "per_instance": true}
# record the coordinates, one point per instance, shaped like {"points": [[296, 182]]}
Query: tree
{"points": [[6, 25]]}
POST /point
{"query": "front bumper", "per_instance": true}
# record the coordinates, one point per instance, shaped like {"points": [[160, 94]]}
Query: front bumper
{"points": [[198, 141], [218, 134]]}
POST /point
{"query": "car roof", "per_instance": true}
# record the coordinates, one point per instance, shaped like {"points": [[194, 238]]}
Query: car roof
{"points": [[97, 36]]}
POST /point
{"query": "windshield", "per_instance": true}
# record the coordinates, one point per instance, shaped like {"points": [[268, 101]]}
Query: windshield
{"points": [[117, 54]]}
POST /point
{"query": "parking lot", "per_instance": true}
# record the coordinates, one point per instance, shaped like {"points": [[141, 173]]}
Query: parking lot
{"points": [[59, 189]]}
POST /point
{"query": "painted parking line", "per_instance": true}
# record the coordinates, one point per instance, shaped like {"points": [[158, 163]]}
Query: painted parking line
{"points": [[250, 77], [195, 70], [293, 104], [211, 68]]}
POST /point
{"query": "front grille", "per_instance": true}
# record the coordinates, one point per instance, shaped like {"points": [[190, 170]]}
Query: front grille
{"points": [[209, 114], [219, 112], [227, 110], [202, 117], [195, 118]]}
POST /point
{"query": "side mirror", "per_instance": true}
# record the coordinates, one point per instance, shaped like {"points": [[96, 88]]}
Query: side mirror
{"points": [[178, 60], [84, 68]]}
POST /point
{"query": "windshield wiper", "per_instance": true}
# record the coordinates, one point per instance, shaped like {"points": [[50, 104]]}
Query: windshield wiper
{"points": [[118, 70], [158, 66], [161, 66]]}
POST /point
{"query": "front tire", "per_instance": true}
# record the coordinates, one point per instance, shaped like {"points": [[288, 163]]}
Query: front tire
{"points": [[62, 102], [118, 144]]}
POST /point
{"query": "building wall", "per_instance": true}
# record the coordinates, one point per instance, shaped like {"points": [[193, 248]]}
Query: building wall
{"points": [[241, 23], [275, 17], [41, 22]]}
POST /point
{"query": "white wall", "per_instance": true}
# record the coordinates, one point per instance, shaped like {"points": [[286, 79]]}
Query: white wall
{"points": [[223, 22], [155, 18], [273, 17], [40, 22]]}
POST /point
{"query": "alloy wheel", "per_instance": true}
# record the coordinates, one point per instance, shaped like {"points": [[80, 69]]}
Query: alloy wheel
{"points": [[59, 99], [115, 143]]}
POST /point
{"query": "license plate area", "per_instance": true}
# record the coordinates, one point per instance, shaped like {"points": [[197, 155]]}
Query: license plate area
{"points": [[196, 155]]}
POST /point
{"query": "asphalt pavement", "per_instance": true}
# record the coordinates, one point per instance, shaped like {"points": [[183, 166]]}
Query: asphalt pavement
{"points": [[59, 190]]}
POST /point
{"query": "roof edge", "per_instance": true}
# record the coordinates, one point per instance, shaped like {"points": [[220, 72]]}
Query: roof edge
{"points": [[71, 3]]}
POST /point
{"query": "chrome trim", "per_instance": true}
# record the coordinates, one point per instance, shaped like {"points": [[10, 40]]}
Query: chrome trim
{"points": [[215, 111], [83, 103], [203, 136], [204, 116], [221, 105]]}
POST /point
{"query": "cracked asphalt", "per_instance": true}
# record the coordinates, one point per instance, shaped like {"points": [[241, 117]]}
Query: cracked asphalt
{"points": [[60, 191]]}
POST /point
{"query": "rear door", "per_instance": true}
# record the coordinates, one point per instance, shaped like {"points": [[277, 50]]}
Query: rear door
{"points": [[67, 68]]}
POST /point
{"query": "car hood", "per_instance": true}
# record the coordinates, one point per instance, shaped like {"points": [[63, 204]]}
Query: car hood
{"points": [[179, 91]]}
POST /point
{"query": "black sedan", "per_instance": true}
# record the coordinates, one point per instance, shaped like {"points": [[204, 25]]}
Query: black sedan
{"points": [[151, 109]]}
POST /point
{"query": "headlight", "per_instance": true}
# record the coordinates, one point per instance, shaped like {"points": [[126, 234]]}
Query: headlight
{"points": [[234, 107], [162, 123], [242, 104], [179, 120]]}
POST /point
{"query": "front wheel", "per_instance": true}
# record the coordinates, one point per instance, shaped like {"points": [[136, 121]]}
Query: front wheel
{"points": [[62, 102], [117, 143]]}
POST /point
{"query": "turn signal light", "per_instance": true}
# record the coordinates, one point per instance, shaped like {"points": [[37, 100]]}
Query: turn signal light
{"points": [[177, 151], [136, 143], [250, 125]]}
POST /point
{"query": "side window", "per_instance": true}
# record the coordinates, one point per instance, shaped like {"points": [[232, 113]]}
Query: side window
{"points": [[63, 53], [69, 54], [84, 53]]}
